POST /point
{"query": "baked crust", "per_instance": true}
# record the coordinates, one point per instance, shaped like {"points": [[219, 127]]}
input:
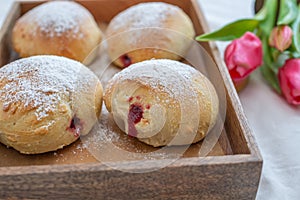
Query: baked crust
{"points": [[46, 103], [57, 28], [175, 104], [149, 30]]}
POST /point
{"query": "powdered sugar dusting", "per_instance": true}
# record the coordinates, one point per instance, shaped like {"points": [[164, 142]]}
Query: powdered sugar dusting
{"points": [[58, 17], [143, 15], [143, 25], [39, 83], [164, 75]]}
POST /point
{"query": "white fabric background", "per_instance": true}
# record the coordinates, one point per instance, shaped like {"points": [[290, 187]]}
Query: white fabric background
{"points": [[276, 125]]}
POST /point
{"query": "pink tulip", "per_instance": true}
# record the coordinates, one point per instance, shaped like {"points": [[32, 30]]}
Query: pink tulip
{"points": [[281, 37], [243, 56], [289, 79]]}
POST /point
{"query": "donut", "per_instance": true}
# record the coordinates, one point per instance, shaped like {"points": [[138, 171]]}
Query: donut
{"points": [[61, 28], [162, 102], [46, 103], [149, 30]]}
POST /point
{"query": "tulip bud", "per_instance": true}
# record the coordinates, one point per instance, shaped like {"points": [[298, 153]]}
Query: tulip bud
{"points": [[281, 37], [243, 55], [289, 79]]}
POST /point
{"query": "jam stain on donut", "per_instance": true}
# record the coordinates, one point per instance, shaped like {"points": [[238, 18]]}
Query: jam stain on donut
{"points": [[126, 61], [75, 126], [130, 99], [135, 115]]}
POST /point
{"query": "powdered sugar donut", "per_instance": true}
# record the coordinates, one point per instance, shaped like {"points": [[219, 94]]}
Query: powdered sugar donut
{"points": [[157, 30], [61, 28], [47, 102], [162, 102]]}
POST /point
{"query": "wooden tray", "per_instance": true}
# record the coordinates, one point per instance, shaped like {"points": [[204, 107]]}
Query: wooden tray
{"points": [[231, 170]]}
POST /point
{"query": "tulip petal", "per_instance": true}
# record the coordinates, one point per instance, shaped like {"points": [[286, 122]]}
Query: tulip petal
{"points": [[243, 56], [281, 37], [289, 78]]}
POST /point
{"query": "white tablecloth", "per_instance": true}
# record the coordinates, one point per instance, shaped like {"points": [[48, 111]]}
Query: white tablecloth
{"points": [[276, 125]]}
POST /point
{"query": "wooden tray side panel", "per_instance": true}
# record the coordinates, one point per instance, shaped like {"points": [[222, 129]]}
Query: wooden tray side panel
{"points": [[5, 34], [231, 181], [4, 50], [109, 8], [199, 27]]}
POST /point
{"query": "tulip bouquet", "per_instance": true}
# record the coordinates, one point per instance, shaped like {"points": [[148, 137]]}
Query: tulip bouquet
{"points": [[271, 41]]}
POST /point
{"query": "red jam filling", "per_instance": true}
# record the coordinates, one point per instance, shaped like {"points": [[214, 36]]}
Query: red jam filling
{"points": [[75, 126], [135, 115], [130, 99], [126, 61]]}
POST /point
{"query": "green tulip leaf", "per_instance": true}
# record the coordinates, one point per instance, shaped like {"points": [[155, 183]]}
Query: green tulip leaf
{"points": [[296, 30], [287, 12], [269, 69], [231, 31], [271, 78], [296, 55], [267, 17]]}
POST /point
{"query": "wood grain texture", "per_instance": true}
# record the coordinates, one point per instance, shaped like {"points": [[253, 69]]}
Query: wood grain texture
{"points": [[191, 181], [5, 34], [231, 170]]}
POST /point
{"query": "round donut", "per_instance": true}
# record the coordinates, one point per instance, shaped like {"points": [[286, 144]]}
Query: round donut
{"points": [[149, 30], [46, 103], [61, 28], [162, 102]]}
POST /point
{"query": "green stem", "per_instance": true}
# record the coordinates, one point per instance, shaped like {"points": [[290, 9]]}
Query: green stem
{"points": [[267, 17]]}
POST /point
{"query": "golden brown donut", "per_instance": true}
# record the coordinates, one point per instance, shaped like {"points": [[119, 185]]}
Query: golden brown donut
{"points": [[60, 28], [170, 39], [162, 102], [46, 103]]}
